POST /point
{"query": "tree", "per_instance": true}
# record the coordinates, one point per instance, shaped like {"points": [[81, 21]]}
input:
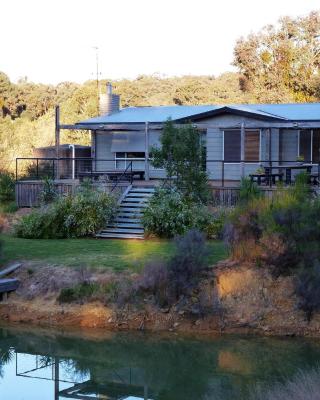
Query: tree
{"points": [[282, 63], [182, 155]]}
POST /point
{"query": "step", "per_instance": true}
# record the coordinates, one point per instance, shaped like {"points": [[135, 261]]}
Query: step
{"points": [[142, 189], [136, 200], [135, 210], [140, 195], [120, 236], [135, 205], [125, 225], [131, 216], [127, 218], [123, 230]]}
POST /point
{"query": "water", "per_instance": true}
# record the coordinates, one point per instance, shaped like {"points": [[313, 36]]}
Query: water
{"points": [[48, 365]]}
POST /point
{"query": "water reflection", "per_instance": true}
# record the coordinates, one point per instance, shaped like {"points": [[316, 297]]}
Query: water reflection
{"points": [[55, 366]]}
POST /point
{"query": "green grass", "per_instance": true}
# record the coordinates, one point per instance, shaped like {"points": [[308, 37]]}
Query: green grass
{"points": [[97, 253]]}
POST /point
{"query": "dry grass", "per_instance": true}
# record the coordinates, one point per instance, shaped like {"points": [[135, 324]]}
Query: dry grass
{"points": [[303, 386]]}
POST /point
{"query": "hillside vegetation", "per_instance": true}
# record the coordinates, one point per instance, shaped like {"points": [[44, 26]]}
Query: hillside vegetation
{"points": [[280, 63]]}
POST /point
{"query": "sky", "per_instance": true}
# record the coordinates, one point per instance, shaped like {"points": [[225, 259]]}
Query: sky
{"points": [[51, 41]]}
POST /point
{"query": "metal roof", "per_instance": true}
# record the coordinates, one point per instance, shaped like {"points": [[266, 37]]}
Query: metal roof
{"points": [[159, 114]]}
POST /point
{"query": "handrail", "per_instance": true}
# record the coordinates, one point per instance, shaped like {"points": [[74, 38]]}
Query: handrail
{"points": [[123, 174]]}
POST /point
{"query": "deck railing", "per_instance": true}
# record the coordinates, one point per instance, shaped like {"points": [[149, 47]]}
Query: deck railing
{"points": [[221, 171], [36, 168]]}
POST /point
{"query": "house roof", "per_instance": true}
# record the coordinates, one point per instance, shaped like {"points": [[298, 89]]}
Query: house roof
{"points": [[159, 114]]}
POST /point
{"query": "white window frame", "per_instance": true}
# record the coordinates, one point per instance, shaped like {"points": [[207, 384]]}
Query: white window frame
{"points": [[248, 130]]}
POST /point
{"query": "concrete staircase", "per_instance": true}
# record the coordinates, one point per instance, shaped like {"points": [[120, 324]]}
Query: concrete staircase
{"points": [[127, 223]]}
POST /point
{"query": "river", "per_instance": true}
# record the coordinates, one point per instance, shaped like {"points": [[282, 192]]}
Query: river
{"points": [[38, 364]]}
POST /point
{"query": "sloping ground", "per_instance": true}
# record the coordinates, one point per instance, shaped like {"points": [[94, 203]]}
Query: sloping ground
{"points": [[238, 299]]}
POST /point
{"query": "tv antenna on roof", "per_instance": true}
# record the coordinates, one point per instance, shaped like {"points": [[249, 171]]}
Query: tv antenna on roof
{"points": [[98, 73]]}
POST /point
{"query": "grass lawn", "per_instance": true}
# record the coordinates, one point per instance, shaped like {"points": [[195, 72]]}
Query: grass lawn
{"points": [[115, 254]]}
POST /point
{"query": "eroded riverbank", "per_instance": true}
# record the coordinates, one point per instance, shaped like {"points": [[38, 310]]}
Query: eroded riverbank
{"points": [[241, 299]]}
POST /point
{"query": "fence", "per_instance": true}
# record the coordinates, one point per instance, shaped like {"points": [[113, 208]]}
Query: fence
{"points": [[28, 193]]}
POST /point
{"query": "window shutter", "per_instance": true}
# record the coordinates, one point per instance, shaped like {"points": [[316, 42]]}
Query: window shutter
{"points": [[252, 146]]}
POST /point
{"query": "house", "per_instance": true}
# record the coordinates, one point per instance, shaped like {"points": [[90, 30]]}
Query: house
{"points": [[238, 138]]}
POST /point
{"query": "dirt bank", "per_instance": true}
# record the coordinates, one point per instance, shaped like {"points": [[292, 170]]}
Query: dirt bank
{"points": [[242, 299]]}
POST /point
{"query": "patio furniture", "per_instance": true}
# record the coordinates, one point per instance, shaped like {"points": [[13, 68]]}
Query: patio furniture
{"points": [[268, 177], [112, 175], [290, 168]]}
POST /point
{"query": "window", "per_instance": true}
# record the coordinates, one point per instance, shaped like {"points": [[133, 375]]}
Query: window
{"points": [[232, 146], [122, 160], [305, 145], [316, 146], [309, 145]]}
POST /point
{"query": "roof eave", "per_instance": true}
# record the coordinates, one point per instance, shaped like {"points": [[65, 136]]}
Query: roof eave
{"points": [[230, 110]]}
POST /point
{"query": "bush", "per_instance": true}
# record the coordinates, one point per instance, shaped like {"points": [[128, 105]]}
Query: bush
{"points": [[48, 193], [303, 386], [169, 214], [282, 233], [10, 207], [1, 228], [168, 281], [248, 190], [79, 215], [308, 289], [183, 156], [154, 280], [7, 187], [33, 225], [78, 293], [186, 266]]}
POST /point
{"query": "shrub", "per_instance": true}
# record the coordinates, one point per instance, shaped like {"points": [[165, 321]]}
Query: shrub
{"points": [[282, 233], [303, 386], [168, 281], [10, 207], [154, 280], [1, 228], [7, 187], [189, 261], [33, 225], [308, 289], [73, 216], [48, 193], [78, 293], [183, 155], [169, 214], [248, 190]]}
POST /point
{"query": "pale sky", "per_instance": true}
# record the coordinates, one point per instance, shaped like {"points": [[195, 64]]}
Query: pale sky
{"points": [[51, 41]]}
